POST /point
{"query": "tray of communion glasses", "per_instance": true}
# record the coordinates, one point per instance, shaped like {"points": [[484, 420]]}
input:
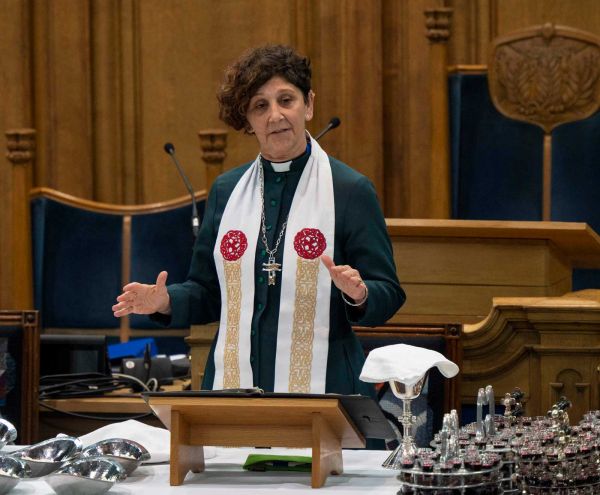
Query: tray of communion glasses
{"points": [[474, 473], [539, 455], [447, 468], [498, 454]]}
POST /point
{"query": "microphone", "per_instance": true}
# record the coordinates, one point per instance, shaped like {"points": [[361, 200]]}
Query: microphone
{"points": [[170, 150], [333, 123]]}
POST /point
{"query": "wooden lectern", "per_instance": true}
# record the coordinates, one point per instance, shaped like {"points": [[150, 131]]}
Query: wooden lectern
{"points": [[196, 419]]}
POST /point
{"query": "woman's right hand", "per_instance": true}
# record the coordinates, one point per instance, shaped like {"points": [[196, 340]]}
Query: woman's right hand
{"points": [[144, 299]]}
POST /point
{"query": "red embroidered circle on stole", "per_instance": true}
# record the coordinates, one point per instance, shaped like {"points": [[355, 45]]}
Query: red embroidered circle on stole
{"points": [[233, 245], [310, 243]]}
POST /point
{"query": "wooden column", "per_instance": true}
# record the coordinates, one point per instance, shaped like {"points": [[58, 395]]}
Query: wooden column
{"points": [[213, 143], [20, 146], [108, 167], [437, 22], [346, 85]]}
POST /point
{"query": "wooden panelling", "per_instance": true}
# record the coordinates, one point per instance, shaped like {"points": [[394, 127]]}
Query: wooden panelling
{"points": [[183, 50], [63, 96], [21, 148], [347, 85], [463, 261], [395, 87], [106, 100], [357, 88], [15, 112], [406, 115], [116, 79], [516, 14], [473, 26], [131, 173]]}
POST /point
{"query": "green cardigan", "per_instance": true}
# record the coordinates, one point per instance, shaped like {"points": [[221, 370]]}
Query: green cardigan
{"points": [[361, 241]]}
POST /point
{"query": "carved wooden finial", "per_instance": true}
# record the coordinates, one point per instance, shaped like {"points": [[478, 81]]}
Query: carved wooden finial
{"points": [[213, 143], [20, 144], [546, 75], [30, 318], [438, 22], [548, 31]]}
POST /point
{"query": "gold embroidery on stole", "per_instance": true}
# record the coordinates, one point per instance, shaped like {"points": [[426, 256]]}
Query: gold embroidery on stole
{"points": [[231, 360], [307, 272]]}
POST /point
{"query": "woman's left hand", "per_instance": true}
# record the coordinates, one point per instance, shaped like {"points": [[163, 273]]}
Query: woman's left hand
{"points": [[346, 278]]}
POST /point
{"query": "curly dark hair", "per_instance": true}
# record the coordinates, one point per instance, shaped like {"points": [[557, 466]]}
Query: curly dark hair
{"points": [[253, 69]]}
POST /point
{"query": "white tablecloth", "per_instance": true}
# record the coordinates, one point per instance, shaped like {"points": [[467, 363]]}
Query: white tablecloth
{"points": [[363, 474]]}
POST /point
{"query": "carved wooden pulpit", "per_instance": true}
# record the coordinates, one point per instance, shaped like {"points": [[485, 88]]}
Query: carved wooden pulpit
{"points": [[547, 346]]}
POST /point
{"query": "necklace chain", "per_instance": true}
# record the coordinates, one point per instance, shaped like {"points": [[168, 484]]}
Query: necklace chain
{"points": [[263, 228]]}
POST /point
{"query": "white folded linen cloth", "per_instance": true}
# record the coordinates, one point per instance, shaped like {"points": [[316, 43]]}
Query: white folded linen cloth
{"points": [[404, 363], [157, 441]]}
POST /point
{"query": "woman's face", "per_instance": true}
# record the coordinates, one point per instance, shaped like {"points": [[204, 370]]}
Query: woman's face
{"points": [[277, 115]]}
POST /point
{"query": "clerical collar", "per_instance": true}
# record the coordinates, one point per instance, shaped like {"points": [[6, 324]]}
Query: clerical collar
{"points": [[281, 166], [296, 164]]}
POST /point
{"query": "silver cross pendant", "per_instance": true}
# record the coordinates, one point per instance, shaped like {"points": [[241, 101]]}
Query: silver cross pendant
{"points": [[271, 268]]}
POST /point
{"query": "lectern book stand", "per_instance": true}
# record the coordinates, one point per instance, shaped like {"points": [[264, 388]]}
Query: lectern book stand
{"points": [[326, 423]]}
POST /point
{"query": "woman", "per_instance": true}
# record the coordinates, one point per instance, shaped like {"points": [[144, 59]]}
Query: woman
{"points": [[275, 235]]}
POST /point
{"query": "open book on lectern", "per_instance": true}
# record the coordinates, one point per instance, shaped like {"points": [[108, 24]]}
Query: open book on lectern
{"points": [[363, 411]]}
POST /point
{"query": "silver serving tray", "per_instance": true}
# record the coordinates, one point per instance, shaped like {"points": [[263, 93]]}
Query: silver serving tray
{"points": [[126, 452], [89, 476], [46, 457]]}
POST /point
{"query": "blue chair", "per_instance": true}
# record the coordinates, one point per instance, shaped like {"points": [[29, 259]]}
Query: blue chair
{"points": [[84, 252]]}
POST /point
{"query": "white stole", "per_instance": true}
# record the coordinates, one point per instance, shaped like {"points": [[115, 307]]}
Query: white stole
{"points": [[303, 329]]}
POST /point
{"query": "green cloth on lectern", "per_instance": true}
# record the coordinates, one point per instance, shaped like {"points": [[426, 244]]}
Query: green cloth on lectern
{"points": [[260, 462], [361, 241]]}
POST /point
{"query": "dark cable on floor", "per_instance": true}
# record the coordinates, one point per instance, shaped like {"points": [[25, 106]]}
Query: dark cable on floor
{"points": [[91, 416]]}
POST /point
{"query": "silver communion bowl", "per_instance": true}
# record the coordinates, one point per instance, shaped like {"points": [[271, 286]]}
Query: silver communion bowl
{"points": [[12, 470], [89, 476], [126, 452], [8, 433], [46, 457]]}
